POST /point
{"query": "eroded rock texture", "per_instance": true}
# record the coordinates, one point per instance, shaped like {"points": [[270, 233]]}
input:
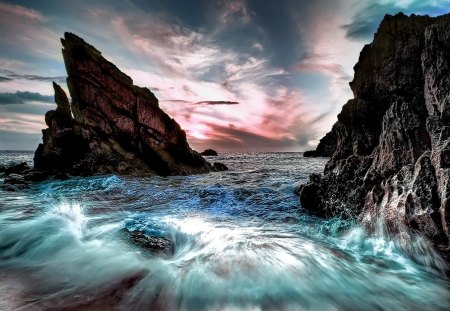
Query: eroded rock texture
{"points": [[110, 125], [392, 156]]}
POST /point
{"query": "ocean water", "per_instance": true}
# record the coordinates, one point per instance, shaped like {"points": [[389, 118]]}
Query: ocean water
{"points": [[242, 242]]}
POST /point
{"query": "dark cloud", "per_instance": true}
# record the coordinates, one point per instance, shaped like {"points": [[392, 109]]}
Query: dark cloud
{"points": [[177, 101], [23, 97], [59, 79], [5, 79], [205, 102], [231, 139], [10, 75], [216, 102]]}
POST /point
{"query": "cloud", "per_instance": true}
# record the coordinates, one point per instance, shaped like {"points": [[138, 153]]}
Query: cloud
{"points": [[4, 79], [324, 64], [369, 14], [23, 97], [26, 32], [235, 10], [11, 9], [10, 75], [216, 102], [59, 79], [21, 122]]}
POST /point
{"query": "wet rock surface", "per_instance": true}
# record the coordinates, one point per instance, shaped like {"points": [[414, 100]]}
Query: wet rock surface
{"points": [[392, 141], [152, 244], [110, 125]]}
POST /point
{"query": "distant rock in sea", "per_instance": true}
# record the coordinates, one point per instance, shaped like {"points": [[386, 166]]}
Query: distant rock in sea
{"points": [[325, 148], [390, 147], [209, 152], [219, 166], [110, 125]]}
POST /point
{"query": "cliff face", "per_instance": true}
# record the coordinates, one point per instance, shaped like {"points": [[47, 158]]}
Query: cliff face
{"points": [[116, 126], [392, 156]]}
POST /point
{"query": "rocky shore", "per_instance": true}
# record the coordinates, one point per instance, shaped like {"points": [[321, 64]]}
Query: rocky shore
{"points": [[391, 142]]}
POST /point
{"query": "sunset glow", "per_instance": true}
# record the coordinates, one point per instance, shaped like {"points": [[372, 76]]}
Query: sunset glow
{"points": [[235, 75]]}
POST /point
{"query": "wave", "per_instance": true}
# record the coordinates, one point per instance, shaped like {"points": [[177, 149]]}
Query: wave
{"points": [[237, 246]]}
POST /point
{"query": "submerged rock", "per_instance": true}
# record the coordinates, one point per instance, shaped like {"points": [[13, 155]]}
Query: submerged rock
{"points": [[111, 125], [209, 152], [391, 159], [149, 243]]}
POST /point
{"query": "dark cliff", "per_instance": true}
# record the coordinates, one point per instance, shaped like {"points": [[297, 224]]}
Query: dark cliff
{"points": [[110, 125], [392, 156]]}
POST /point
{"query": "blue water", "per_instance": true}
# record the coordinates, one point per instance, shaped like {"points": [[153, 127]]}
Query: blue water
{"points": [[242, 242]]}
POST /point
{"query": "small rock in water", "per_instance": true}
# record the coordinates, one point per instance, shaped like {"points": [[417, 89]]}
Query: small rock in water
{"points": [[219, 166], [209, 152], [149, 243]]}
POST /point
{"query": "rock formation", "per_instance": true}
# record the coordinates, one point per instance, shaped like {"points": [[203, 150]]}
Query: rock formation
{"points": [[325, 148], [150, 244], [392, 141], [209, 152], [110, 125]]}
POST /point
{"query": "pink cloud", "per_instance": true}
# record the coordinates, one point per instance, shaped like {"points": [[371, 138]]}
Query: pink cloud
{"points": [[7, 9], [29, 32], [21, 122]]}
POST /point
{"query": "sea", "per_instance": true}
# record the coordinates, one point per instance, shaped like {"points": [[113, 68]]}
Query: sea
{"points": [[242, 241]]}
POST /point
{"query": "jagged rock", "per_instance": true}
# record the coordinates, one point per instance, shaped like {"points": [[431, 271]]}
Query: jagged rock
{"points": [[219, 166], [149, 243], [111, 125], [209, 152], [392, 156]]}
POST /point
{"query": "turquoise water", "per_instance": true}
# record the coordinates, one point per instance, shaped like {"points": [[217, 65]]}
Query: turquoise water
{"points": [[242, 242]]}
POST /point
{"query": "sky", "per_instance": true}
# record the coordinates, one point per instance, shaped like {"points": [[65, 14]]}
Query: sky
{"points": [[237, 75]]}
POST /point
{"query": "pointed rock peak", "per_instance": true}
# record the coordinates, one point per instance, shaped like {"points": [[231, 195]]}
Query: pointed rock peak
{"points": [[61, 100]]}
